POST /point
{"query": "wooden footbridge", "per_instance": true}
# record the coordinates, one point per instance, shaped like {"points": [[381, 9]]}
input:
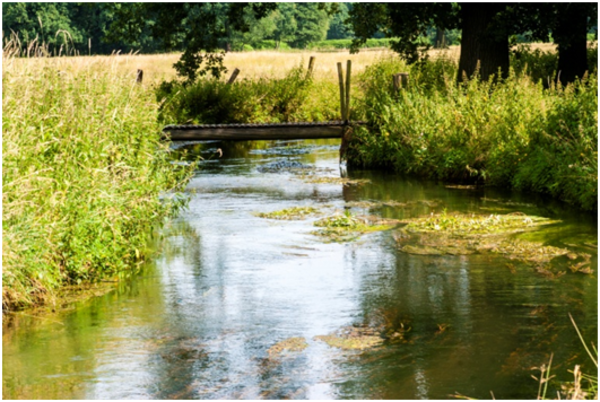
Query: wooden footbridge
{"points": [[281, 131], [277, 131], [246, 132]]}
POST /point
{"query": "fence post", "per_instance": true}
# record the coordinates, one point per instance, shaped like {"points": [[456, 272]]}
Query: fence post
{"points": [[342, 96], [311, 65], [347, 104], [140, 76], [233, 76], [400, 81]]}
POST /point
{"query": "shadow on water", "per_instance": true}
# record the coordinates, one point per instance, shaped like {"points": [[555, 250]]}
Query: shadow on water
{"points": [[228, 286]]}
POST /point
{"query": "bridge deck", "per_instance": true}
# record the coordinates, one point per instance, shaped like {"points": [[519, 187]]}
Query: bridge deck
{"points": [[243, 132]]}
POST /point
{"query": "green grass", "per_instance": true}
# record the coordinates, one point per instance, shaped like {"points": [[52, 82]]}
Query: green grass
{"points": [[83, 172], [515, 133]]}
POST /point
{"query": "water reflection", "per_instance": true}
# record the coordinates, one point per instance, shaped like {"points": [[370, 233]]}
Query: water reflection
{"points": [[229, 285]]}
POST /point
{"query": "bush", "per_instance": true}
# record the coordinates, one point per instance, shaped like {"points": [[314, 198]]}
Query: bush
{"points": [[293, 98], [512, 133]]}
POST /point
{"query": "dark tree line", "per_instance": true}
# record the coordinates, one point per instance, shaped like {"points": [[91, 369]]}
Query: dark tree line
{"points": [[486, 31]]}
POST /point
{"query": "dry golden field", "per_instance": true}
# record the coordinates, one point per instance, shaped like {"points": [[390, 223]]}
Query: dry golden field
{"points": [[267, 64]]}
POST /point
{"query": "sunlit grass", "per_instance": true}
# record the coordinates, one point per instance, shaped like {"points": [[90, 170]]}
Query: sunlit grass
{"points": [[83, 170]]}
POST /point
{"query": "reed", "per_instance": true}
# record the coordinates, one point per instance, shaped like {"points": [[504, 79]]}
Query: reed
{"points": [[84, 175]]}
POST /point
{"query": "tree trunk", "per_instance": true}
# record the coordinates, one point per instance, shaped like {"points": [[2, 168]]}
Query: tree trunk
{"points": [[571, 37], [440, 39], [484, 44]]}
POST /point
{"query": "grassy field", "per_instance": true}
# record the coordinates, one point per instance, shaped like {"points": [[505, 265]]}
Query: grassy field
{"points": [[253, 65]]}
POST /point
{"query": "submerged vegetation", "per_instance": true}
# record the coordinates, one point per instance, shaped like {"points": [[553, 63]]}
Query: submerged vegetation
{"points": [[293, 213], [85, 179], [460, 234]]}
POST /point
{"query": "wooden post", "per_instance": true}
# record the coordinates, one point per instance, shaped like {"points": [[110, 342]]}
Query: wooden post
{"points": [[342, 96], [404, 80], [140, 76], [400, 81], [347, 103], [311, 65], [233, 76]]}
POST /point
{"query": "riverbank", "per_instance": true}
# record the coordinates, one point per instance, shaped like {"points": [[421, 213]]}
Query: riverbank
{"points": [[83, 175], [518, 133]]}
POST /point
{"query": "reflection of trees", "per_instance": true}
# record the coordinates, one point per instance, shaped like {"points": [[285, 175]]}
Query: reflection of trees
{"points": [[497, 326]]}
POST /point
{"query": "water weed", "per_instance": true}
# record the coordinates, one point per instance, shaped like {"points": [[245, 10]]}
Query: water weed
{"points": [[347, 227], [294, 213]]}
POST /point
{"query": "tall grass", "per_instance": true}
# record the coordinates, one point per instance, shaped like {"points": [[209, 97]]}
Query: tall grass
{"points": [[514, 133], [82, 174]]}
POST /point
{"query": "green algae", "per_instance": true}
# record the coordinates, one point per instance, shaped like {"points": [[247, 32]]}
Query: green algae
{"points": [[365, 204], [294, 213], [464, 225]]}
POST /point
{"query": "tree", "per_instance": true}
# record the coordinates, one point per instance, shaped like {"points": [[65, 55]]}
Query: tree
{"points": [[312, 21], [285, 23], [43, 22], [486, 28], [338, 29]]}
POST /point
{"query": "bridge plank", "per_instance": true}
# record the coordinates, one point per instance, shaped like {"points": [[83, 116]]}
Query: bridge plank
{"points": [[255, 132]]}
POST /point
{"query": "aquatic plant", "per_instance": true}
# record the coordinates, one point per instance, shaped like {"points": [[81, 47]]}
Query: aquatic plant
{"points": [[347, 227], [353, 338], [293, 213], [295, 344]]}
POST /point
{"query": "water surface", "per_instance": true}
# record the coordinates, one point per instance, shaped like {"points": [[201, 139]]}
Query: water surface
{"points": [[229, 285]]}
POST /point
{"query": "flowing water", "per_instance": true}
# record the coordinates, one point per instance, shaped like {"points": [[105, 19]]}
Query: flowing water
{"points": [[203, 318]]}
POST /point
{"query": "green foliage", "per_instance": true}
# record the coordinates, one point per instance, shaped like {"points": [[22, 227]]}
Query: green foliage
{"points": [[293, 98], [513, 133], [83, 176], [338, 29], [334, 44], [313, 24]]}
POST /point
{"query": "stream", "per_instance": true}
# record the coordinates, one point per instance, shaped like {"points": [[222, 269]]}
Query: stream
{"points": [[204, 318]]}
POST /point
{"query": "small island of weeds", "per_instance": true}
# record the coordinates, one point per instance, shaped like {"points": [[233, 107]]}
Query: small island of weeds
{"points": [[464, 234], [347, 227]]}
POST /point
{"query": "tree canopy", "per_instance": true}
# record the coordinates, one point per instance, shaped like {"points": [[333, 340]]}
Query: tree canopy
{"points": [[487, 29]]}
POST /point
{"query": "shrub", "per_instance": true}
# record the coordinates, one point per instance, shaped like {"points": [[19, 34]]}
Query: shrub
{"points": [[293, 98]]}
